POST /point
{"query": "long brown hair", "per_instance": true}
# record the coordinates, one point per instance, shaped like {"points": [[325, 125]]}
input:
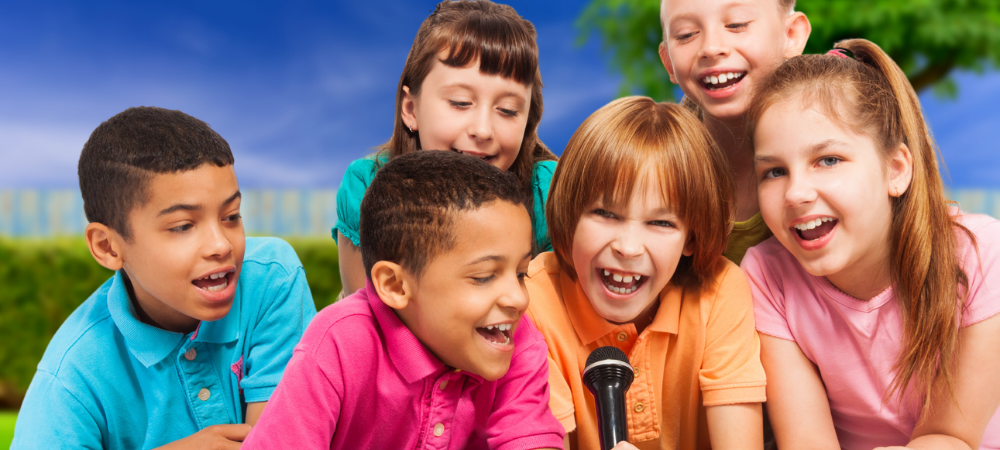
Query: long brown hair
{"points": [[870, 93], [609, 157], [503, 43]]}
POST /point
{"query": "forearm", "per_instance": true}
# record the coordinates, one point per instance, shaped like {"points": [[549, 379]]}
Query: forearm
{"points": [[736, 426], [938, 442]]}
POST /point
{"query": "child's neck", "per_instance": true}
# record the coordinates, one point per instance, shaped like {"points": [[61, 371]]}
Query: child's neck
{"points": [[731, 139], [867, 278]]}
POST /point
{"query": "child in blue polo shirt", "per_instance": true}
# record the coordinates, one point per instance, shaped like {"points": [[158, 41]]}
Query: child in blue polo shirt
{"points": [[184, 345]]}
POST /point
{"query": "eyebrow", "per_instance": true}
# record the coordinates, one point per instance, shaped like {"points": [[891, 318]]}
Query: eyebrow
{"points": [[816, 148], [496, 258], [187, 207], [469, 87]]}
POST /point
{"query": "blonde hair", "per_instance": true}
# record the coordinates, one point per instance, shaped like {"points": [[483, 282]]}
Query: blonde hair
{"points": [[611, 154], [870, 93], [503, 43]]}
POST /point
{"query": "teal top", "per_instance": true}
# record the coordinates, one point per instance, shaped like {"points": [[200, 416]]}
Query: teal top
{"points": [[361, 172], [109, 381]]}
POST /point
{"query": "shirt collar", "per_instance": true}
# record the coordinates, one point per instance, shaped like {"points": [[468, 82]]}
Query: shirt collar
{"points": [[590, 326], [408, 354]]}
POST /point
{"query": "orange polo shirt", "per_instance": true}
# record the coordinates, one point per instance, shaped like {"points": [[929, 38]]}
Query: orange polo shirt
{"points": [[701, 350]]}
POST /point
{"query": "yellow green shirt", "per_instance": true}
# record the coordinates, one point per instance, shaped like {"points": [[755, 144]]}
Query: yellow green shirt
{"points": [[746, 234]]}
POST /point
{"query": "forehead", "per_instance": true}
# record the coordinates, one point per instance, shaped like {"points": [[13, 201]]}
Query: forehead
{"points": [[497, 228], [674, 9], [793, 125], [470, 77], [206, 185]]}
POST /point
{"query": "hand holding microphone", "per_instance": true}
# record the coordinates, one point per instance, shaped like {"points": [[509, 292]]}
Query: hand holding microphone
{"points": [[608, 375]]}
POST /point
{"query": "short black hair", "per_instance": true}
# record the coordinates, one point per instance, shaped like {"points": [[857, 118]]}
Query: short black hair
{"points": [[408, 211], [126, 151]]}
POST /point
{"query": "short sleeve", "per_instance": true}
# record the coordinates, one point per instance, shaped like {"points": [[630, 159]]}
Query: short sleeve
{"points": [[982, 267], [768, 298], [541, 181], [51, 416], [285, 309], [731, 371], [522, 418], [561, 397], [358, 176]]}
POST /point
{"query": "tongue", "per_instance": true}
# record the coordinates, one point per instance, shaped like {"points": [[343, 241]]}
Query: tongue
{"points": [[209, 282], [818, 232], [496, 336]]}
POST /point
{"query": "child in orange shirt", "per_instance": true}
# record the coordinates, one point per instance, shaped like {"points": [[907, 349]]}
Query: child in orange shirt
{"points": [[638, 216]]}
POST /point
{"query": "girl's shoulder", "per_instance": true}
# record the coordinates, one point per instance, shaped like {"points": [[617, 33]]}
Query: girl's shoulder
{"points": [[542, 171], [980, 259]]}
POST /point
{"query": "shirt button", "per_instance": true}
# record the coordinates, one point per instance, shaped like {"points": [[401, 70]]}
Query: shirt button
{"points": [[438, 429], [204, 394], [443, 385], [639, 407], [622, 336], [636, 370], [190, 355]]}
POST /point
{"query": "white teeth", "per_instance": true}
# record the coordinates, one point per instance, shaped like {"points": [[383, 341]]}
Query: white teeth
{"points": [[637, 277], [723, 78], [606, 273], [715, 80], [813, 223], [730, 76], [627, 279], [708, 79], [217, 288], [617, 278]]}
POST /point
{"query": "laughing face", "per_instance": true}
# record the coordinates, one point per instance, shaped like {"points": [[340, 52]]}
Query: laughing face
{"points": [[463, 110], [624, 256], [825, 192], [187, 247], [716, 50], [466, 305]]}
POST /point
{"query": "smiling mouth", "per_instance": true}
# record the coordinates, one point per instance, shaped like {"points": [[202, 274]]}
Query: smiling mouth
{"points": [[815, 229], [213, 282], [487, 158], [619, 283], [722, 80], [496, 334]]}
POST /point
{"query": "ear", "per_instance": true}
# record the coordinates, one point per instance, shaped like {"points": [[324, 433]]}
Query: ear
{"points": [[393, 284], [797, 31], [407, 109], [665, 59], [105, 245], [689, 246], [900, 168]]}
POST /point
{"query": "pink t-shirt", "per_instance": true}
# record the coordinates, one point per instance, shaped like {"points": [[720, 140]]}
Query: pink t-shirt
{"points": [[360, 379], [854, 343]]}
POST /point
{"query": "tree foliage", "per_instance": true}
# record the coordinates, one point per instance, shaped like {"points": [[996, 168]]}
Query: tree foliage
{"points": [[927, 38]]}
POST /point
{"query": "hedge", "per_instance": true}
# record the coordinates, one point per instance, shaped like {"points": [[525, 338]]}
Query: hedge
{"points": [[43, 280]]}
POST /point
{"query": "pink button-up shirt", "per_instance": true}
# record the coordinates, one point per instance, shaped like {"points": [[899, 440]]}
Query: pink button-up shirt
{"points": [[359, 379]]}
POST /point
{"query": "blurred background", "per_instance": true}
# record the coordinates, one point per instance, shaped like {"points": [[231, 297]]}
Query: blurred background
{"points": [[301, 88]]}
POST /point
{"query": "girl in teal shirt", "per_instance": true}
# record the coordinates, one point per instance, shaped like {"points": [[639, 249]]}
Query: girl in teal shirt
{"points": [[471, 85]]}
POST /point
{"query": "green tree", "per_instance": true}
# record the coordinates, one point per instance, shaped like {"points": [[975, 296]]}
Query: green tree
{"points": [[927, 38]]}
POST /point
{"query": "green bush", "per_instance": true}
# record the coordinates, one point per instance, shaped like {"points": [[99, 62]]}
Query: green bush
{"points": [[43, 280]]}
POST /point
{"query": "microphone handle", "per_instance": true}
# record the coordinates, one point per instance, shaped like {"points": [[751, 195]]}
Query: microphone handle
{"points": [[612, 423]]}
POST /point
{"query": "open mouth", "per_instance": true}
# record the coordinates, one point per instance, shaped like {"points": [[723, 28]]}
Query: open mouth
{"points": [[214, 282], [621, 283], [722, 80], [816, 228], [498, 334], [487, 158]]}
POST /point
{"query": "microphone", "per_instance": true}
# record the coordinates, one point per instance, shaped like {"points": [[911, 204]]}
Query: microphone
{"points": [[608, 375]]}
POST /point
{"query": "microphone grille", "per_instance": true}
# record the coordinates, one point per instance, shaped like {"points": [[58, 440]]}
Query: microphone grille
{"points": [[607, 352]]}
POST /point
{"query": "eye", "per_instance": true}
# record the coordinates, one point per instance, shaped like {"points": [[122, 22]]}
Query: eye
{"points": [[774, 173], [604, 213], [684, 36], [663, 223], [181, 228], [521, 276], [484, 280], [738, 26], [233, 218], [829, 161], [460, 105], [507, 112]]}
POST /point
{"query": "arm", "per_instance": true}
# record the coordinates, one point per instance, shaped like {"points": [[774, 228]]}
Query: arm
{"points": [[253, 412], [352, 269], [796, 398], [959, 422], [52, 416], [735, 426]]}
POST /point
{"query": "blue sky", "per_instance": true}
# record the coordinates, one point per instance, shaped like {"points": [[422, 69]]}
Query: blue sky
{"points": [[301, 88]]}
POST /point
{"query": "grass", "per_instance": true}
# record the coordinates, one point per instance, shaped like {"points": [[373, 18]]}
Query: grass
{"points": [[7, 420]]}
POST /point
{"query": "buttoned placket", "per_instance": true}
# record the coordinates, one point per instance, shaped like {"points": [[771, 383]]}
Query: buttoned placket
{"points": [[640, 404], [445, 394], [202, 384]]}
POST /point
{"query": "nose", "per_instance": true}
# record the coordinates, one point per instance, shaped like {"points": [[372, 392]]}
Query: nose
{"points": [[217, 244], [627, 242], [799, 191], [713, 44], [481, 126], [515, 297]]}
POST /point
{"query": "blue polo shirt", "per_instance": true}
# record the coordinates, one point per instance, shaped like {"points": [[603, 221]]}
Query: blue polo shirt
{"points": [[109, 381]]}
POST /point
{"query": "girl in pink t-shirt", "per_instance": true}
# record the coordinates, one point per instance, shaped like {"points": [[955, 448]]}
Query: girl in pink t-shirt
{"points": [[876, 303]]}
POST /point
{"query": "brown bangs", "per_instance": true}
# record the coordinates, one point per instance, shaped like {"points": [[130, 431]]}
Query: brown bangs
{"points": [[502, 47], [617, 149]]}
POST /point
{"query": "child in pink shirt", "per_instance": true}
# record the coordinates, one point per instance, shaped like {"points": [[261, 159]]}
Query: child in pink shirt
{"points": [[876, 303], [433, 352]]}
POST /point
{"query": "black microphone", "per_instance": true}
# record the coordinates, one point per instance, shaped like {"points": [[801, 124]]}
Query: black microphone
{"points": [[608, 375]]}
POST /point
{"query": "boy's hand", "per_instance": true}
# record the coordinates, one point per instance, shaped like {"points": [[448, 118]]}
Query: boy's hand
{"points": [[215, 437]]}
